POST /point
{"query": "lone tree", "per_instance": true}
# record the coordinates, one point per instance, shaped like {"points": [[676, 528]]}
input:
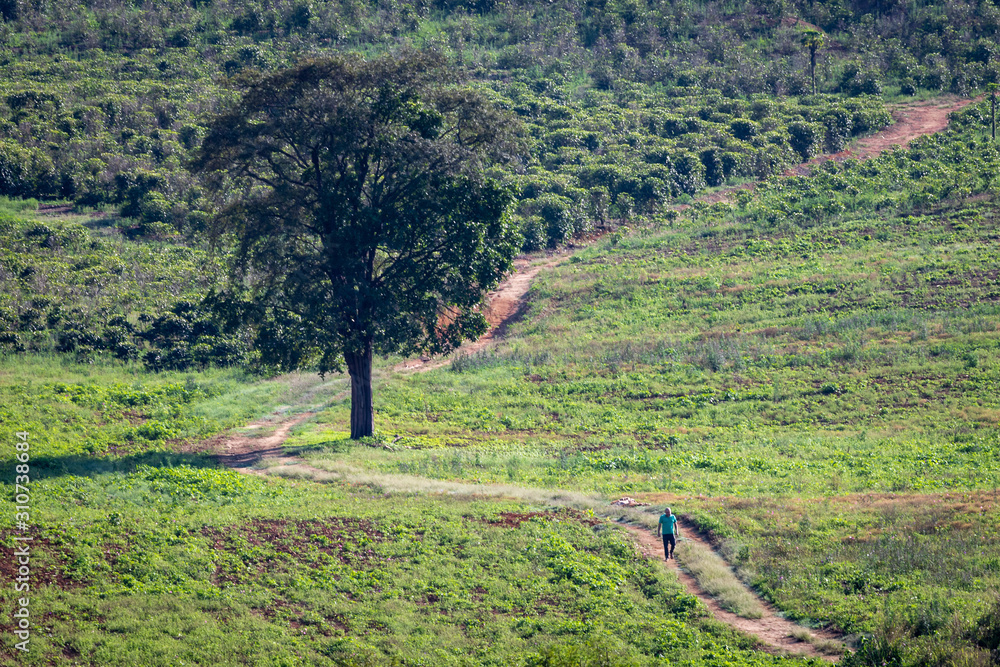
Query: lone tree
{"points": [[812, 40], [357, 194]]}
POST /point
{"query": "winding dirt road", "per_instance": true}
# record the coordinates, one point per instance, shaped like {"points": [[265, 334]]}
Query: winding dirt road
{"points": [[245, 453], [242, 452], [506, 305]]}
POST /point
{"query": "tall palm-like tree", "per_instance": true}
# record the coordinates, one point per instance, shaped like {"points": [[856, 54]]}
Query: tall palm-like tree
{"points": [[812, 40]]}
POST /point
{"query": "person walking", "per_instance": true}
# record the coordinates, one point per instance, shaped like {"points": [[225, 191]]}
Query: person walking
{"points": [[667, 527]]}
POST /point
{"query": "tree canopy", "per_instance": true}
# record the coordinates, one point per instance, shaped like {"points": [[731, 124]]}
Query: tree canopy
{"points": [[360, 197]]}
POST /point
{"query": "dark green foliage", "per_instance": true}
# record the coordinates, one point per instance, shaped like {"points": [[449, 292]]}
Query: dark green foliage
{"points": [[534, 233], [65, 290], [127, 90], [558, 219], [714, 169], [987, 631], [189, 336], [859, 80], [838, 124], [805, 138], [26, 172], [743, 129], [366, 223], [690, 173]]}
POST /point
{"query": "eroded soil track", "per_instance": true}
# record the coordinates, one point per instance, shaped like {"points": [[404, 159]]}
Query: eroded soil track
{"points": [[911, 120], [506, 305], [774, 632], [245, 452]]}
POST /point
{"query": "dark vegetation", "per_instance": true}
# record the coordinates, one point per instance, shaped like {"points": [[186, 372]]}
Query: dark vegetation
{"points": [[629, 106], [83, 290], [364, 199]]}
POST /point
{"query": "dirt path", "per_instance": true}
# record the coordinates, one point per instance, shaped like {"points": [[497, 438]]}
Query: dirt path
{"points": [[774, 632], [505, 306], [911, 120], [245, 452]]}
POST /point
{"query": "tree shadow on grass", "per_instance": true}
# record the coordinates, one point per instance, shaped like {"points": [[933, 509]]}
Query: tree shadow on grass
{"points": [[48, 467], [80, 465]]}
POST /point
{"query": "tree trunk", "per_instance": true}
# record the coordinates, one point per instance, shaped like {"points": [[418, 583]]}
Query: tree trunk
{"points": [[812, 67], [359, 365]]}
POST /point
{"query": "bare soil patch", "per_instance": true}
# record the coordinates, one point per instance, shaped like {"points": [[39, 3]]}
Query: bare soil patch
{"points": [[52, 569], [505, 306], [264, 545], [911, 120]]}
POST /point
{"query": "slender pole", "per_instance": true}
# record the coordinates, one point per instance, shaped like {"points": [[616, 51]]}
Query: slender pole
{"points": [[812, 64]]}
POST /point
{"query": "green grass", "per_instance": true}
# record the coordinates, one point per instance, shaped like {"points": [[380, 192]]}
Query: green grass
{"points": [[13, 207], [143, 555], [715, 577], [112, 410], [810, 381], [811, 377], [921, 567], [163, 565]]}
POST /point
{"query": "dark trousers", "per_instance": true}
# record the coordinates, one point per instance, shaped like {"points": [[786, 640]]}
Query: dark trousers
{"points": [[668, 544]]}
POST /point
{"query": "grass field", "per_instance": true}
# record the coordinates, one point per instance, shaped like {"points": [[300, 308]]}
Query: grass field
{"points": [[813, 390], [819, 396], [149, 557], [806, 370]]}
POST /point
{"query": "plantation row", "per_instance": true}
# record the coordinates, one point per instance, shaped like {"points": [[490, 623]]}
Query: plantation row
{"points": [[626, 108], [67, 288]]}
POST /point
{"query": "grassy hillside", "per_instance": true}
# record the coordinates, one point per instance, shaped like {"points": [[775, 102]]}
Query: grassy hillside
{"points": [[808, 317], [808, 371], [811, 373], [201, 566], [143, 554]]}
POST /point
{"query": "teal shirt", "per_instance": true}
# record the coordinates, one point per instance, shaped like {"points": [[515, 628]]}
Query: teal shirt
{"points": [[667, 524]]}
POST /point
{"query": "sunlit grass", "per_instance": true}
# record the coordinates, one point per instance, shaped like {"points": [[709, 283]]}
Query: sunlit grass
{"points": [[717, 578], [713, 575]]}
